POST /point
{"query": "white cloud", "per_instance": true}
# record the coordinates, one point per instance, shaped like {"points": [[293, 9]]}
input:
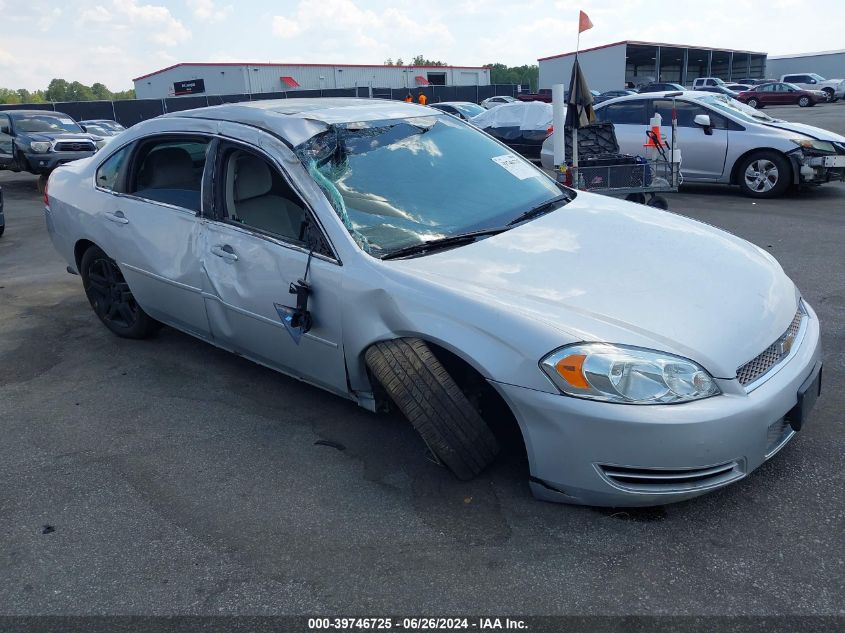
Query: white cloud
{"points": [[6, 58], [209, 11], [285, 27]]}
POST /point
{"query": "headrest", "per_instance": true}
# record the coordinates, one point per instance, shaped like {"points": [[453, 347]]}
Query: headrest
{"points": [[252, 178], [169, 167]]}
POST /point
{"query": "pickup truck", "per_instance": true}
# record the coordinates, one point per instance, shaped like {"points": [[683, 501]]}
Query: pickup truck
{"points": [[833, 88], [38, 141]]}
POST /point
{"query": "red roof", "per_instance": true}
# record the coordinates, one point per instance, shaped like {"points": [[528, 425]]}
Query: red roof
{"points": [[156, 72]]}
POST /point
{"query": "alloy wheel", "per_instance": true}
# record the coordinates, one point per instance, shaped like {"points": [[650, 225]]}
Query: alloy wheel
{"points": [[110, 294], [761, 175]]}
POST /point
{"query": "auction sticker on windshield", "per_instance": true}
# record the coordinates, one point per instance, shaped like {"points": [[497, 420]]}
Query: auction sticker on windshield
{"points": [[515, 166]]}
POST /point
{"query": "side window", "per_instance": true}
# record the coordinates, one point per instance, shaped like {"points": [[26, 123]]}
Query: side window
{"points": [[766, 88], [170, 170], [107, 174], [256, 195], [625, 113], [5, 125], [794, 79], [686, 113]]}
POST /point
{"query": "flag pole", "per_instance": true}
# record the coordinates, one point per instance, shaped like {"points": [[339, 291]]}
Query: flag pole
{"points": [[571, 97]]}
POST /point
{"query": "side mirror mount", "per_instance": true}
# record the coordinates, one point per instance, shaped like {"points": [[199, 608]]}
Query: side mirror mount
{"points": [[703, 120], [84, 129]]}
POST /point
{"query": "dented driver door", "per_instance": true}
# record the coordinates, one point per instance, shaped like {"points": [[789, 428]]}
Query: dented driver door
{"points": [[251, 262]]}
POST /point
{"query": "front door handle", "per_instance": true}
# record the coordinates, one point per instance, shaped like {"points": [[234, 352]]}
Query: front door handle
{"points": [[225, 251], [117, 216]]}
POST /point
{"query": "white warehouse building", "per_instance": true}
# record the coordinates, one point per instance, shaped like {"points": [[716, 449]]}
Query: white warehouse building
{"points": [[828, 64], [610, 66], [246, 78]]}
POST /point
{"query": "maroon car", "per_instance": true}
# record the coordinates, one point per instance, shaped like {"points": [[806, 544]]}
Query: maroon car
{"points": [[780, 93]]}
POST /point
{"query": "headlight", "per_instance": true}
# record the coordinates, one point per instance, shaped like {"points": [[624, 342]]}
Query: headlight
{"points": [[40, 147], [819, 146], [628, 375]]}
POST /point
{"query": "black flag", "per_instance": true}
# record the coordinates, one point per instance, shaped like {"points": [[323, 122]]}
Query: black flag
{"points": [[579, 105]]}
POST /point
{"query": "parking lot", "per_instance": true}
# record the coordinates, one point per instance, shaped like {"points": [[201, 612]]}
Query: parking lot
{"points": [[169, 477]]}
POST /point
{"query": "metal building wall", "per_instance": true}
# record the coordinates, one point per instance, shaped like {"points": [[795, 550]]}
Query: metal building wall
{"points": [[237, 79], [603, 67], [828, 65]]}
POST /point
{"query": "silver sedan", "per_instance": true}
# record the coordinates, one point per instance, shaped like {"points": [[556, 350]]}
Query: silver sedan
{"points": [[397, 256], [725, 141]]}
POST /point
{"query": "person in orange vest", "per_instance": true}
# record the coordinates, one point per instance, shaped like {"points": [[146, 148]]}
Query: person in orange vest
{"points": [[422, 98], [409, 98]]}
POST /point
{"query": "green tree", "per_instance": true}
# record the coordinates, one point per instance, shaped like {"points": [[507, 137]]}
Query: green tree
{"points": [[79, 92], [57, 90], [101, 92], [399, 61], [8, 95], [502, 74], [421, 60], [388, 61], [124, 94]]}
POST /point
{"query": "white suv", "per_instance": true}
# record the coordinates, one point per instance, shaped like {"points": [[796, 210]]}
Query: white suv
{"points": [[835, 88], [705, 82]]}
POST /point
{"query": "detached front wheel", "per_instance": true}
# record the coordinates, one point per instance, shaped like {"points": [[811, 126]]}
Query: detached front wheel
{"points": [[765, 174], [432, 401], [110, 296]]}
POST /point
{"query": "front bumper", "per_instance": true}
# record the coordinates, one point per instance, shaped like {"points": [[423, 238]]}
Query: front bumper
{"points": [[602, 454], [817, 169], [48, 161]]}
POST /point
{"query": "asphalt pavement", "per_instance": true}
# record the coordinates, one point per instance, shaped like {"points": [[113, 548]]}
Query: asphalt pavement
{"points": [[169, 477]]}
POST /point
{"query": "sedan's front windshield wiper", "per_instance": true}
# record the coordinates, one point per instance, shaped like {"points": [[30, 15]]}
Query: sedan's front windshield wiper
{"points": [[428, 246], [540, 209]]}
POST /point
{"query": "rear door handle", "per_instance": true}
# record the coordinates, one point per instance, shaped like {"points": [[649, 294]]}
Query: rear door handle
{"points": [[117, 216], [225, 251]]}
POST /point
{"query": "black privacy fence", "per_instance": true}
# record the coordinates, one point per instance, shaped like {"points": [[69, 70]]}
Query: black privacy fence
{"points": [[130, 112]]}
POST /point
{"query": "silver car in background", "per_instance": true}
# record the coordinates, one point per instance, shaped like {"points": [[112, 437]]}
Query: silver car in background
{"points": [[397, 256], [725, 141]]}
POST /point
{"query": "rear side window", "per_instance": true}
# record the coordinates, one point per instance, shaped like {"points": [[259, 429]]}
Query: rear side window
{"points": [[109, 172], [625, 113], [801, 79], [169, 170]]}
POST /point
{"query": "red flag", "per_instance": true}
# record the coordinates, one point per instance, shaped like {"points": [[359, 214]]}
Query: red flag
{"points": [[584, 22]]}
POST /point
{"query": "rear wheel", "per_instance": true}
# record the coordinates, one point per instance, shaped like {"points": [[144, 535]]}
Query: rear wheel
{"points": [[110, 296], [764, 174], [427, 395], [753, 103], [804, 101]]}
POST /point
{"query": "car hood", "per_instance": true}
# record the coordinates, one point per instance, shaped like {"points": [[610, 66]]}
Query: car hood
{"points": [[607, 270], [59, 136], [808, 130]]}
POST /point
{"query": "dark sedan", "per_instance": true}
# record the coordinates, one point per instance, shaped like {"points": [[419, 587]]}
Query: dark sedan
{"points": [[612, 94], [661, 87], [462, 109], [780, 93]]}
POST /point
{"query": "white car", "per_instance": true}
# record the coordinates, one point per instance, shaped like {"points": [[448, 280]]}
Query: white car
{"points": [[397, 256], [492, 102], [833, 88]]}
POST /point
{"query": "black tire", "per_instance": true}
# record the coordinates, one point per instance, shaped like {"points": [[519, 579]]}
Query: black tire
{"points": [[110, 296], [659, 202], [804, 102], [427, 395], [637, 198], [2, 229], [830, 95], [770, 167], [753, 103]]}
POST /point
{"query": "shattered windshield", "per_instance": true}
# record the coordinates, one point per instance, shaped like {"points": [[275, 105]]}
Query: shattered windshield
{"points": [[402, 182], [736, 108]]}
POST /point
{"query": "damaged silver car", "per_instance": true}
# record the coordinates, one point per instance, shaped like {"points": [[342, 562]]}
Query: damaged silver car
{"points": [[395, 255]]}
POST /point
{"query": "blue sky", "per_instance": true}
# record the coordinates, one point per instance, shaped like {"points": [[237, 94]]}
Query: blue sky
{"points": [[115, 40]]}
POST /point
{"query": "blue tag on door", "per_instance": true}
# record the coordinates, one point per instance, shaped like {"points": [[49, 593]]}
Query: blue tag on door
{"points": [[286, 315]]}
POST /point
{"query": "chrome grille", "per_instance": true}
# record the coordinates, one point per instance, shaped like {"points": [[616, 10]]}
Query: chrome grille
{"points": [[74, 146], [773, 354], [657, 480]]}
